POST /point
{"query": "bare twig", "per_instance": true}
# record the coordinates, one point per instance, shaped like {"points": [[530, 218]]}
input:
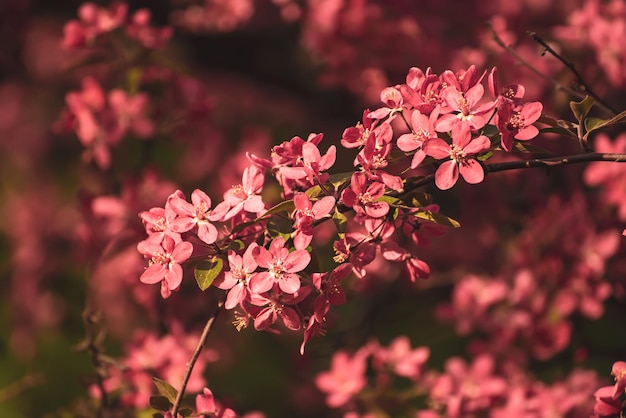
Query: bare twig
{"points": [[194, 357], [534, 163], [579, 79], [528, 65], [18, 387]]}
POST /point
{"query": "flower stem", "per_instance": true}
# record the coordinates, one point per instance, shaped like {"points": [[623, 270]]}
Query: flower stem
{"points": [[205, 334]]}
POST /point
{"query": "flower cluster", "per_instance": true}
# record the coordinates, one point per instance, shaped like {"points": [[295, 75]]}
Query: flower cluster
{"points": [[395, 378], [96, 22]]}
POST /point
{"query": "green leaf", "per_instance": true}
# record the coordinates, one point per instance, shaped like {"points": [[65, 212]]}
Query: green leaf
{"points": [[437, 218], [581, 109], [595, 124], [485, 157], [339, 180], [166, 389], [160, 403], [390, 200], [529, 147], [186, 412], [313, 192], [236, 245], [341, 222], [240, 227], [284, 206], [206, 271], [560, 131]]}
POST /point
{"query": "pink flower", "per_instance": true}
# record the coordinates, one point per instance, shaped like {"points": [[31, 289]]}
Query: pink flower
{"points": [[345, 378], [606, 405], [311, 165], [165, 263], [281, 267], [362, 197], [619, 372], [306, 213], [355, 136], [393, 100], [403, 360], [275, 306], [237, 278], [196, 214], [94, 21], [467, 107], [422, 128], [516, 122], [245, 196], [463, 147], [150, 37], [206, 406]]}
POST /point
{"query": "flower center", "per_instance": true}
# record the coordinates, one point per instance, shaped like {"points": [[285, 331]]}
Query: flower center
{"points": [[515, 122], [365, 198], [457, 154]]}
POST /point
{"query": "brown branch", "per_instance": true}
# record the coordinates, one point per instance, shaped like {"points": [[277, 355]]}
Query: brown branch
{"points": [[579, 78], [21, 385], [195, 356], [528, 65], [555, 161], [534, 163]]}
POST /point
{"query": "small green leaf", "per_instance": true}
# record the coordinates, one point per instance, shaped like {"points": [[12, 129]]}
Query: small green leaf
{"points": [[437, 218], [621, 118], [339, 180], [581, 109], [390, 200], [236, 245], [206, 271], [560, 131], [186, 412], [417, 198], [341, 222], [594, 123], [160, 403], [313, 192], [240, 227], [284, 206], [529, 147], [485, 157], [166, 389]]}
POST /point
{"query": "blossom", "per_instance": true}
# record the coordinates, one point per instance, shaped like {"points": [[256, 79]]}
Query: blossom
{"points": [[275, 306], [165, 263], [196, 214], [237, 278], [516, 122], [345, 378], [422, 128], [619, 372], [468, 108], [245, 196], [306, 213], [362, 197], [281, 267], [462, 148]]}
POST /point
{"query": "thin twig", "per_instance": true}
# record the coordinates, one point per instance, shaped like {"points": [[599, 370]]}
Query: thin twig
{"points": [[555, 161], [21, 385], [581, 82], [195, 356], [528, 65], [534, 163]]}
